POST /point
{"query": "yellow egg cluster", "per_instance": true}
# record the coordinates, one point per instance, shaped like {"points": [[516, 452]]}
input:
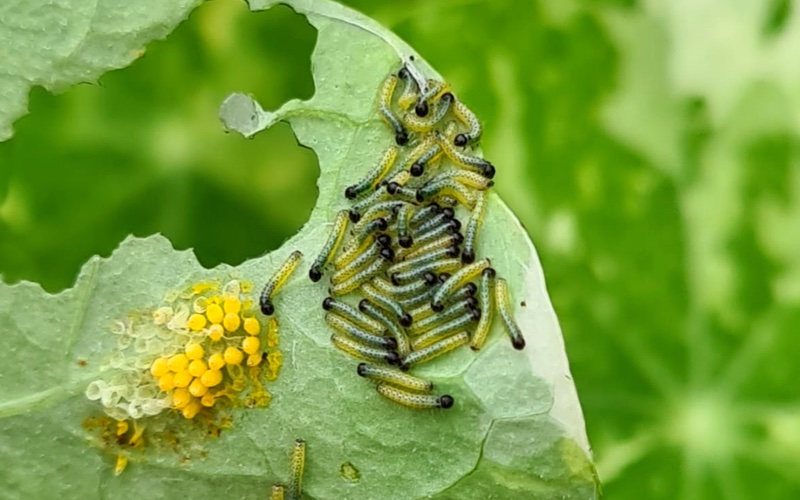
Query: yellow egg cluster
{"points": [[224, 337], [205, 343]]}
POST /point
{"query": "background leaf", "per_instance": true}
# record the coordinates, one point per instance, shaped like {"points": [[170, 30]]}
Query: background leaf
{"points": [[57, 45], [504, 397]]}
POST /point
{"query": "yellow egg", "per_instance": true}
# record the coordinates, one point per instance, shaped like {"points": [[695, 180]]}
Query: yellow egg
{"points": [[208, 400], [232, 305], [215, 332], [203, 287], [233, 356], [250, 345], [122, 427], [231, 322], [178, 362], [216, 361], [181, 398], [166, 382], [192, 409], [252, 326], [122, 462], [197, 388], [214, 313], [138, 433], [194, 350], [159, 367], [197, 367], [196, 322], [183, 379], [211, 378], [254, 359]]}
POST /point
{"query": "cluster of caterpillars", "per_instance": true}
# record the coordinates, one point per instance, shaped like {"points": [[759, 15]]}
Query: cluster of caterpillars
{"points": [[407, 246]]}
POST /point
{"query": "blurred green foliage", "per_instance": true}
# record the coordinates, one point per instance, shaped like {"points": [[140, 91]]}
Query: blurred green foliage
{"points": [[651, 149], [143, 152]]}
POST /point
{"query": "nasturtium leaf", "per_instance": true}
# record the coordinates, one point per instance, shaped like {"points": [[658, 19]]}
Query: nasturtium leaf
{"points": [[59, 44], [516, 430]]}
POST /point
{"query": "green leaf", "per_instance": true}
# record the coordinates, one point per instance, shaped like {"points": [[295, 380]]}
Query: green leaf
{"points": [[515, 432], [733, 35], [706, 407], [56, 45]]}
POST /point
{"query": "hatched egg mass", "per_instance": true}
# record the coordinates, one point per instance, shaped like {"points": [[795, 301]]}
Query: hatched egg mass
{"points": [[212, 351]]}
